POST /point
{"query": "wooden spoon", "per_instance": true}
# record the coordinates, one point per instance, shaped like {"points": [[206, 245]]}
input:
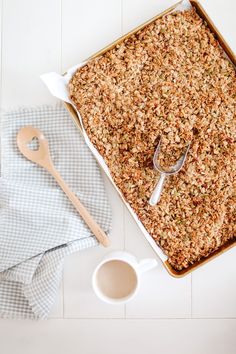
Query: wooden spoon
{"points": [[42, 157]]}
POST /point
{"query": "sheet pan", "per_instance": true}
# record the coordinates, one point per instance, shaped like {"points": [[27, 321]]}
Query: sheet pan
{"points": [[57, 85]]}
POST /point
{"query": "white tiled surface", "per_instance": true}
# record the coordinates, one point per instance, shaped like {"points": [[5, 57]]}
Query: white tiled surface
{"points": [[195, 314], [214, 288]]}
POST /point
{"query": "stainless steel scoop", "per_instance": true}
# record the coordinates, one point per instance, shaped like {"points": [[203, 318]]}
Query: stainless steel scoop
{"points": [[156, 194]]}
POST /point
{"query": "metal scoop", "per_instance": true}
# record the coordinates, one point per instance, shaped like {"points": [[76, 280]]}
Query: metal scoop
{"points": [[156, 194]]}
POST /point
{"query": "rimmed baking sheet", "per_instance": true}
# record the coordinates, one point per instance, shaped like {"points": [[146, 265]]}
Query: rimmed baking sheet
{"points": [[57, 85]]}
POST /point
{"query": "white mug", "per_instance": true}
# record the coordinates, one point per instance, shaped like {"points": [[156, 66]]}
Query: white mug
{"points": [[116, 279]]}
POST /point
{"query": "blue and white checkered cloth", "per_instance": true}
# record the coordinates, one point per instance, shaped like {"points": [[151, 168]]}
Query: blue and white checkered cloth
{"points": [[39, 226]]}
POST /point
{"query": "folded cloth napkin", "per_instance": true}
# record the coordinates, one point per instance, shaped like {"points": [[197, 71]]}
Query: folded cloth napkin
{"points": [[39, 226]]}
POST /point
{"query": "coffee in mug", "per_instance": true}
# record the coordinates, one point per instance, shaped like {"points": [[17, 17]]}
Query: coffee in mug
{"points": [[116, 279]]}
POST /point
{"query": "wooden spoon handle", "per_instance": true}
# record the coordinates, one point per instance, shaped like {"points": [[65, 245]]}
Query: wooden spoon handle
{"points": [[94, 227]]}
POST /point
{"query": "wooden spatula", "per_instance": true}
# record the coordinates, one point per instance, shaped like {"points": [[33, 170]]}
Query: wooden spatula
{"points": [[41, 156]]}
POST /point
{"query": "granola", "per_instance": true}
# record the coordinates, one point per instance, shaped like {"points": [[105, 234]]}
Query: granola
{"points": [[170, 79]]}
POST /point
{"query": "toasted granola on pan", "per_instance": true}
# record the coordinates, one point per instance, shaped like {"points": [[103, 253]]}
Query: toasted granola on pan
{"points": [[170, 79]]}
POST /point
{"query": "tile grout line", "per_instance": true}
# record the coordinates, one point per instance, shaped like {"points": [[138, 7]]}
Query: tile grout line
{"points": [[121, 18], [191, 296], [61, 35], [124, 229], [1, 66], [63, 273], [147, 318], [1, 53]]}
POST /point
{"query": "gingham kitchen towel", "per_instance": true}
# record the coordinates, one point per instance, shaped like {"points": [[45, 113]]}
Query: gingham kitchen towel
{"points": [[39, 226]]}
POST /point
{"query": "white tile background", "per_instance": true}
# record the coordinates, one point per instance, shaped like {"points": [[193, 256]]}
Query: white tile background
{"points": [[195, 314]]}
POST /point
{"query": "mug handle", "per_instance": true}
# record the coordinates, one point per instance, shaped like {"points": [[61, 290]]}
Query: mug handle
{"points": [[147, 264]]}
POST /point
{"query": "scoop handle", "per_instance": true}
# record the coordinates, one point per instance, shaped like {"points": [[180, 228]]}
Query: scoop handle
{"points": [[156, 194], [91, 223]]}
